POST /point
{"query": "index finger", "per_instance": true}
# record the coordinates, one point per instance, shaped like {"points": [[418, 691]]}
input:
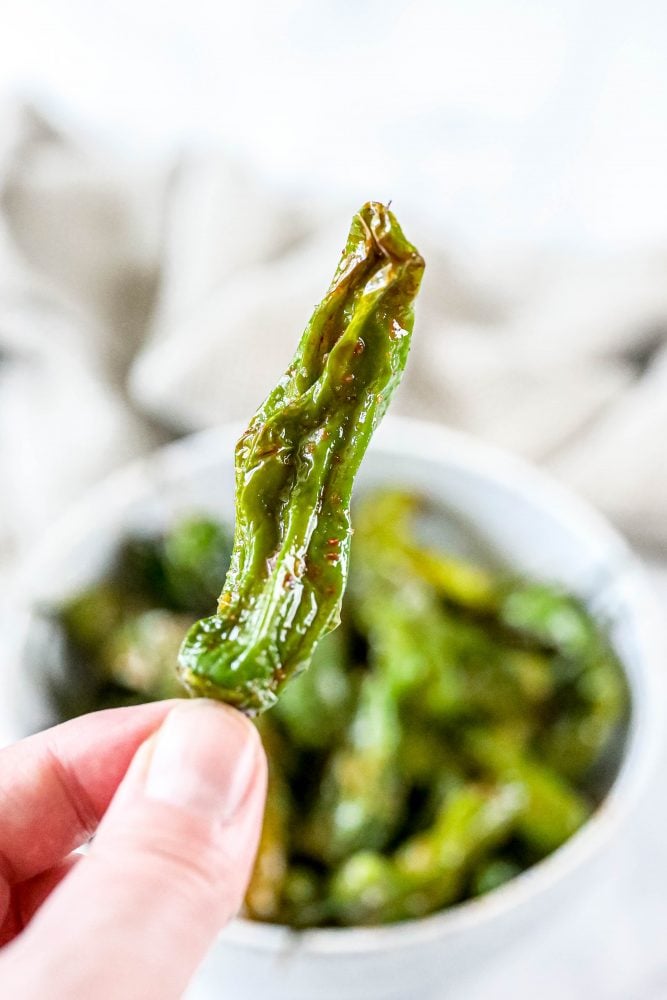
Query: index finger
{"points": [[55, 786]]}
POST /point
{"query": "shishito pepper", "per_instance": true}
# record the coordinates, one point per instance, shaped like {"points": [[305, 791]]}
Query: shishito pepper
{"points": [[429, 869], [295, 466]]}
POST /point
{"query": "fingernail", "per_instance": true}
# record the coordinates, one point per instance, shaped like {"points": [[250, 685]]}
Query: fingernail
{"points": [[205, 758]]}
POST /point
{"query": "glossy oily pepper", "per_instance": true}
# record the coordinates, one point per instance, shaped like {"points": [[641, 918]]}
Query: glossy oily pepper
{"points": [[295, 466]]}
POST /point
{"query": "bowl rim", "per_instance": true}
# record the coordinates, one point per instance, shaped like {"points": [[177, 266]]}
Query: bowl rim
{"points": [[436, 444]]}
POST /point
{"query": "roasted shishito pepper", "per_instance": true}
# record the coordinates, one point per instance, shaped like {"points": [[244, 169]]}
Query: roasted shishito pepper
{"points": [[295, 466]]}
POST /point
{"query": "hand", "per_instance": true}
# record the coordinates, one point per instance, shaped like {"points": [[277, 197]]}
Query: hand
{"points": [[174, 793]]}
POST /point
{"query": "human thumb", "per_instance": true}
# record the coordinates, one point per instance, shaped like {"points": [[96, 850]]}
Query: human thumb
{"points": [[167, 869]]}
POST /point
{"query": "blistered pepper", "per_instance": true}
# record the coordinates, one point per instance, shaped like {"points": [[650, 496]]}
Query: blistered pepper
{"points": [[295, 466]]}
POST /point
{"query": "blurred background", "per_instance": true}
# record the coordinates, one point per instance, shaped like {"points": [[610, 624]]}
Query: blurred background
{"points": [[176, 181]]}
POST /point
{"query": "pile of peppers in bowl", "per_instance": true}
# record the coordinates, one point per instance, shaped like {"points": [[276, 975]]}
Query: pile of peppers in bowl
{"points": [[454, 730]]}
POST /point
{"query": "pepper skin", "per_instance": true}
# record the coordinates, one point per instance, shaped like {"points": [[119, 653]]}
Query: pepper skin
{"points": [[295, 466]]}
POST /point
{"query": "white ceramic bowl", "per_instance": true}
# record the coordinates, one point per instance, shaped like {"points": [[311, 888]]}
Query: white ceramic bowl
{"points": [[530, 523]]}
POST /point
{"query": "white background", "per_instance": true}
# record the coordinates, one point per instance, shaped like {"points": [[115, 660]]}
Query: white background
{"points": [[507, 118]]}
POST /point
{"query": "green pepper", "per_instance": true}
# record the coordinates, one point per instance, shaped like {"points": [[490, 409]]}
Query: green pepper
{"points": [[264, 892], [179, 570], [429, 869], [295, 467], [580, 735], [140, 655], [447, 662], [361, 799], [547, 616], [399, 614], [195, 558], [304, 900], [552, 809], [591, 690], [492, 679], [388, 521], [314, 709], [407, 640], [493, 873], [92, 615]]}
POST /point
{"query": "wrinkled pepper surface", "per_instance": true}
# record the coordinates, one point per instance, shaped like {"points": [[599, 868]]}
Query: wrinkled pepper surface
{"points": [[295, 466]]}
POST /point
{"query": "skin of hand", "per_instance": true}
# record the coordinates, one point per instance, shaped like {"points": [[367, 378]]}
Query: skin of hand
{"points": [[174, 793]]}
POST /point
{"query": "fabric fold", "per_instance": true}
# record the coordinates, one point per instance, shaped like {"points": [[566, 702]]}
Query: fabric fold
{"points": [[142, 300]]}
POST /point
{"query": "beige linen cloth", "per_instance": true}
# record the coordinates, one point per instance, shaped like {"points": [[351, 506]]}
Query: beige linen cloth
{"points": [[142, 301]]}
